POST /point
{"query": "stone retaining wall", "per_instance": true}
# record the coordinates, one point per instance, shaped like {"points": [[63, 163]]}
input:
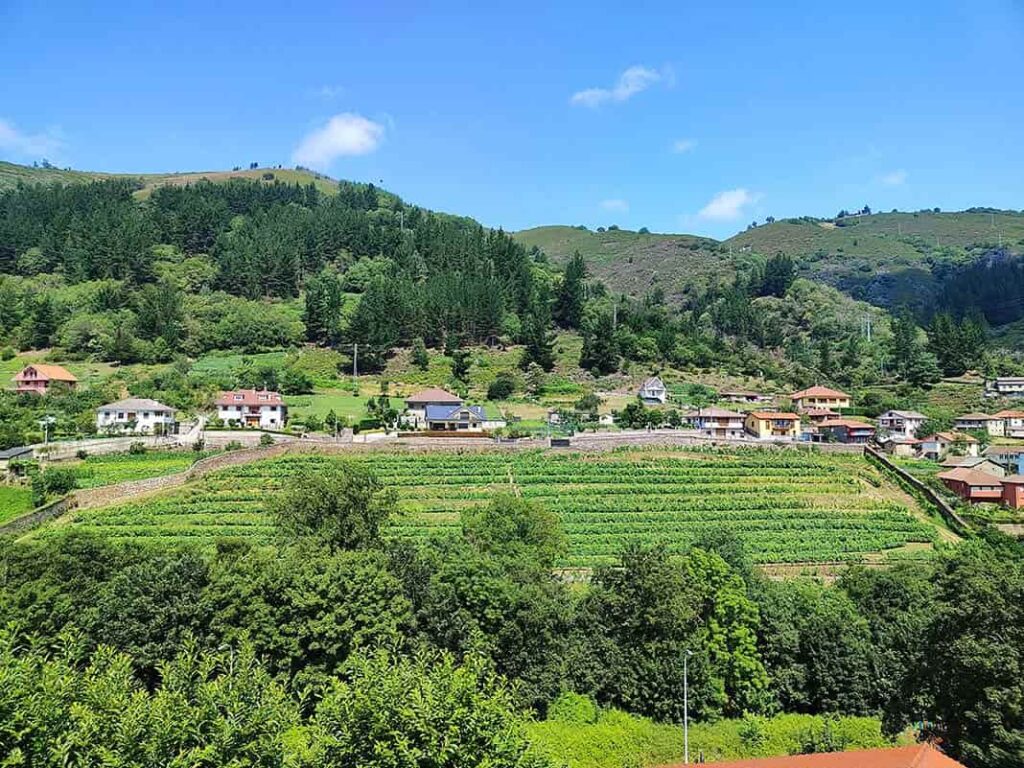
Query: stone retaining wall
{"points": [[39, 516], [945, 509]]}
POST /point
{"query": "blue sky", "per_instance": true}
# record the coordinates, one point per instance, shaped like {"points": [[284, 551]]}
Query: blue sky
{"points": [[676, 116]]}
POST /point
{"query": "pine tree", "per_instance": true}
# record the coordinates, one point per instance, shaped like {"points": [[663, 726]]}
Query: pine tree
{"points": [[419, 355], [600, 354], [568, 310]]}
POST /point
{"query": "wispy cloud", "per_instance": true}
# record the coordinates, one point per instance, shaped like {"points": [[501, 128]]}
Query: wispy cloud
{"points": [[344, 135], [615, 204], [32, 145], [682, 146], [728, 205], [894, 178], [631, 82], [330, 92]]}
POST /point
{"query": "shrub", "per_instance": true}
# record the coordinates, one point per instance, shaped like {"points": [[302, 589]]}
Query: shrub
{"points": [[7, 353], [81, 453], [233, 445], [573, 708], [53, 481], [137, 448], [502, 387], [199, 445], [266, 439]]}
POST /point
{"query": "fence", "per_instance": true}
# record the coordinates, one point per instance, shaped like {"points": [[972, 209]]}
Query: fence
{"points": [[956, 522]]}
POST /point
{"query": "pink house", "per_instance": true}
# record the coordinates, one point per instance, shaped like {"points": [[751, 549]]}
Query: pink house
{"points": [[38, 378]]}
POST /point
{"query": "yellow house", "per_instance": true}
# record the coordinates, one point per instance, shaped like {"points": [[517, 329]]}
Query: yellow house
{"points": [[819, 397], [765, 425]]}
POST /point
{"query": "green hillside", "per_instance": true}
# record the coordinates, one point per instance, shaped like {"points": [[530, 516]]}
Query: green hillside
{"points": [[11, 174], [634, 262]]}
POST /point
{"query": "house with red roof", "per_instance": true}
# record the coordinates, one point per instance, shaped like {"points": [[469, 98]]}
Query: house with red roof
{"points": [[936, 446], [973, 485], [38, 378], [417, 405], [1013, 422], [766, 425], [819, 397], [256, 408], [913, 756]]}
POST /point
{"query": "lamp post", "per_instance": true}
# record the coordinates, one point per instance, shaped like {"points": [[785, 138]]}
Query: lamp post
{"points": [[46, 422], [686, 706]]}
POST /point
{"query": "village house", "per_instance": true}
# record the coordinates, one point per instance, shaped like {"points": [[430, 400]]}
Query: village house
{"points": [[38, 378], [743, 396], [972, 485], [137, 416], [819, 397], [1013, 491], [846, 431], [455, 418], [1005, 386], [819, 415], [993, 425], [978, 463], [898, 445], [936, 446], [904, 423], [252, 408], [416, 405], [1013, 423], [21, 453], [1011, 457], [766, 425], [653, 391], [716, 422]]}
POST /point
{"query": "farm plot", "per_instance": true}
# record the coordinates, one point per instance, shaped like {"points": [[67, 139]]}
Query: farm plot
{"points": [[788, 506], [96, 471]]}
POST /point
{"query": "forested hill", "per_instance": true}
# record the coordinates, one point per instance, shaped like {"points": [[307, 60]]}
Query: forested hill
{"points": [[888, 259]]}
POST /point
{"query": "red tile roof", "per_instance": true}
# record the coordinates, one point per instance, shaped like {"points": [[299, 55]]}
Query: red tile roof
{"points": [[848, 423], [950, 437], [969, 476], [51, 372], [818, 392], [434, 396], [775, 416], [914, 756], [250, 397]]}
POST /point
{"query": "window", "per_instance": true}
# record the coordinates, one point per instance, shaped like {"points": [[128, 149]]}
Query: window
{"points": [[238, 397]]}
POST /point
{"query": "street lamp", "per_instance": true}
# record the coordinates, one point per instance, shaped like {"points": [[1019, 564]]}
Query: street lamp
{"points": [[46, 422], [686, 706]]}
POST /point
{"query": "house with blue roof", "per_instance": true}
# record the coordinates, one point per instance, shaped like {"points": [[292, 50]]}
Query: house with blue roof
{"points": [[462, 418]]}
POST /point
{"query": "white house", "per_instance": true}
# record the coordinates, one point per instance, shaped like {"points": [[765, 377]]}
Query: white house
{"points": [[137, 416], [993, 425], [905, 423], [1013, 423], [1007, 386], [938, 445], [252, 408], [416, 405], [653, 391]]}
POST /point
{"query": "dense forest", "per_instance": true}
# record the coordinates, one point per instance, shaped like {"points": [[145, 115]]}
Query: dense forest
{"points": [[314, 645]]}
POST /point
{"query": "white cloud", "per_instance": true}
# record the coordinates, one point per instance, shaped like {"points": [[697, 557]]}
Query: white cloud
{"points": [[344, 135], [33, 145], [728, 205], [681, 146], [631, 82], [615, 204], [894, 178], [330, 92]]}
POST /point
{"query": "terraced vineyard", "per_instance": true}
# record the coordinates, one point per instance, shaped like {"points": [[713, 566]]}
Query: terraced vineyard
{"points": [[789, 506]]}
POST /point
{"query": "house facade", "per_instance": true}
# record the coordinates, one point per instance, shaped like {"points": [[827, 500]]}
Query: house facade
{"points": [[977, 463], [898, 445], [455, 418], [993, 425], [716, 422], [416, 405], [1013, 491], [847, 431], [38, 378], [653, 391], [819, 397], [1013, 423], [1005, 386], [936, 446], [972, 485], [904, 423], [1011, 457], [767, 425], [136, 416], [256, 408]]}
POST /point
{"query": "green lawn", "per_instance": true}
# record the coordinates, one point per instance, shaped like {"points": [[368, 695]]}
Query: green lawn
{"points": [[14, 500], [342, 403]]}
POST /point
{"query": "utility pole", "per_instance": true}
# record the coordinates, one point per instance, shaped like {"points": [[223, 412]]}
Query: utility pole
{"points": [[686, 706], [355, 363]]}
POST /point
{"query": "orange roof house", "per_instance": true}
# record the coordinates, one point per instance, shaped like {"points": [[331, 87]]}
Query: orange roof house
{"points": [[432, 397], [819, 397], [972, 484], [768, 424], [37, 378], [914, 756]]}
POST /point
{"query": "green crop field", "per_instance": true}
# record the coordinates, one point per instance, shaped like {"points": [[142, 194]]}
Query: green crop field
{"points": [[96, 471], [788, 506], [14, 500]]}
